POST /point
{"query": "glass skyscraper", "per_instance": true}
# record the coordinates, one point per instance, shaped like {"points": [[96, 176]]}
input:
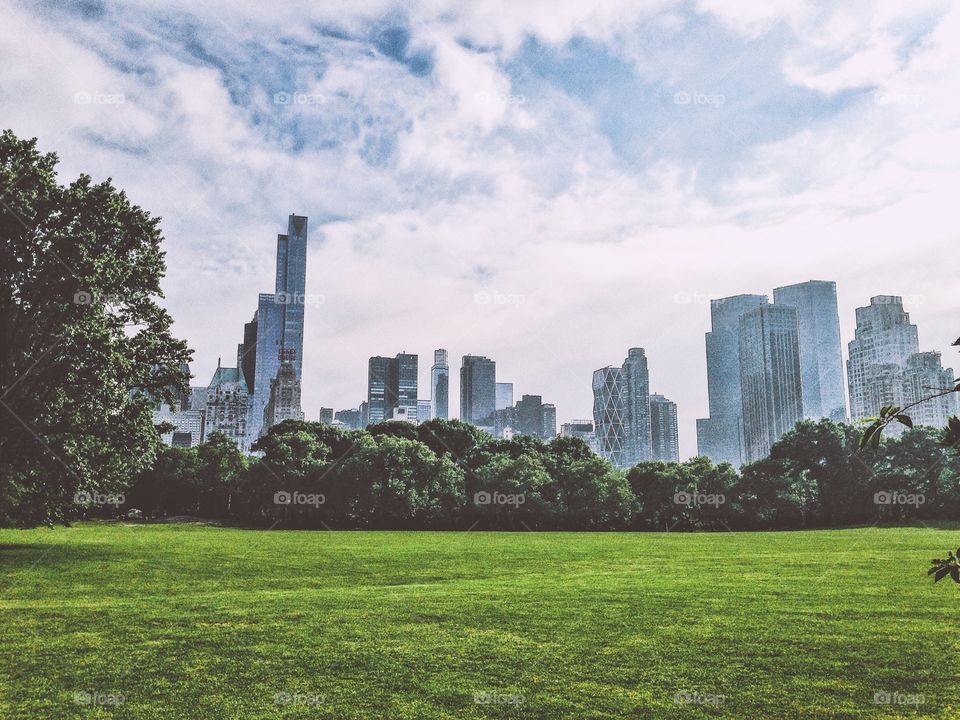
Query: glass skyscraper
{"points": [[821, 359], [478, 390], [664, 433], [440, 385]]}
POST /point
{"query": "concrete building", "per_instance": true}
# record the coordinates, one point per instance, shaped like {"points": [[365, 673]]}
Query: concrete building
{"points": [[227, 405]]}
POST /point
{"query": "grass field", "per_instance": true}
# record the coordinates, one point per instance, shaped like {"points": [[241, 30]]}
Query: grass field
{"points": [[188, 621]]}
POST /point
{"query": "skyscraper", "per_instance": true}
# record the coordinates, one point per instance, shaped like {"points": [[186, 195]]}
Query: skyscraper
{"points": [[636, 379], [883, 341], [378, 373], [277, 326], [609, 411], [284, 401], [478, 390], [664, 433], [923, 376], [401, 390], [227, 405], [821, 359], [770, 375], [720, 436], [549, 421], [440, 385], [424, 410], [504, 395]]}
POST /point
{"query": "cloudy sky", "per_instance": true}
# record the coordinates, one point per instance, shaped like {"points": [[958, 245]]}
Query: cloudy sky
{"points": [[544, 182]]}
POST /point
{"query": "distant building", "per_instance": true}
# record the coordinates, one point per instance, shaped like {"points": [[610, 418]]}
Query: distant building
{"points": [[424, 408], [549, 421], [609, 414], [664, 433], [504, 395], [284, 401], [364, 414], [770, 375], [326, 415], [821, 358], [582, 429], [378, 373], [349, 418], [402, 386], [720, 436], [440, 385], [636, 378], [478, 390], [401, 413], [227, 405], [187, 415], [923, 376]]}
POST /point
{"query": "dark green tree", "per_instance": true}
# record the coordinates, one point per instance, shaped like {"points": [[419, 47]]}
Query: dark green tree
{"points": [[87, 350]]}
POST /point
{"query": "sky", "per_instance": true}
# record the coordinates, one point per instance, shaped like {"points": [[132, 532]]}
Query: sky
{"points": [[544, 183]]}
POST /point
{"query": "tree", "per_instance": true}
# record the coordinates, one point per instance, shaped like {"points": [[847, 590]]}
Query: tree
{"points": [[87, 351]]}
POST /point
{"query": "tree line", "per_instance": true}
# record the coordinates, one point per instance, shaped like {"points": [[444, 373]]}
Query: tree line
{"points": [[450, 475]]}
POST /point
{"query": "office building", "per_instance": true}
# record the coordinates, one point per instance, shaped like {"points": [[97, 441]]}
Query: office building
{"points": [[772, 396], [378, 375], [821, 358], [349, 418], [284, 401], [326, 415], [227, 405], [478, 390], [636, 379], [609, 414], [440, 385], [401, 389], [424, 410], [504, 395], [664, 434]]}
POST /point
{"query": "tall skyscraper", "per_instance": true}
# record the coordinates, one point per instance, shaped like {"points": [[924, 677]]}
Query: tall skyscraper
{"points": [[664, 433], [720, 436], [609, 414], [391, 384], [402, 386], [770, 377], [883, 341], [886, 367], [440, 385], [504, 395], [549, 421], [478, 390], [378, 372], [277, 326], [636, 378], [821, 359]]}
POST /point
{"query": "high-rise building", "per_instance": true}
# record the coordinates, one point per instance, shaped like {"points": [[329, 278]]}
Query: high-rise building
{"points": [[276, 329], [582, 429], [504, 395], [424, 410], [186, 415], [549, 421], [924, 376], [284, 402], [227, 405], [664, 433], [720, 436], [609, 414], [821, 359], [326, 415], [770, 377], [350, 418], [478, 390], [402, 386], [440, 385], [364, 414], [883, 341], [378, 375], [636, 378]]}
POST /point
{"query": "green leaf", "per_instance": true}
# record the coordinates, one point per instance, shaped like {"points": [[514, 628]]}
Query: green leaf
{"points": [[904, 420], [941, 574]]}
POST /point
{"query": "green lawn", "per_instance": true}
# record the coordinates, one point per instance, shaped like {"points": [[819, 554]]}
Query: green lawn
{"points": [[203, 622]]}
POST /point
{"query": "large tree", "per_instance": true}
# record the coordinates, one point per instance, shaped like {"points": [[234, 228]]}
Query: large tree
{"points": [[87, 351]]}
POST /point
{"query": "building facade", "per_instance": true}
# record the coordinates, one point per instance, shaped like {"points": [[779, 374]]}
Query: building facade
{"points": [[478, 390], [284, 401], [821, 357], [440, 385], [609, 415], [772, 395], [227, 405], [504, 395], [664, 432]]}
